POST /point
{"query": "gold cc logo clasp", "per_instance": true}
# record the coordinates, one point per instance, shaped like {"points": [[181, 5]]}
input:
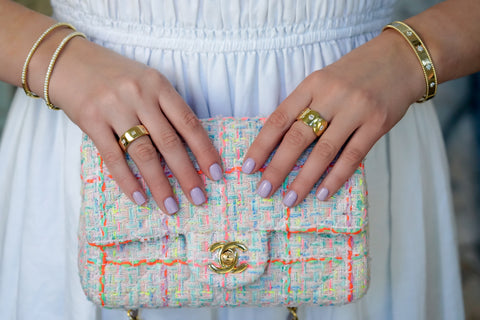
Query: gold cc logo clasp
{"points": [[228, 257]]}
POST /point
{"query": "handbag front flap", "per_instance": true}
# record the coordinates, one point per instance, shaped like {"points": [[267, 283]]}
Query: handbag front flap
{"points": [[232, 204]]}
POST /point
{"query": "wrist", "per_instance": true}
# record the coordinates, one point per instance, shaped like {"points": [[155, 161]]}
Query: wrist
{"points": [[408, 70], [422, 54], [39, 63]]}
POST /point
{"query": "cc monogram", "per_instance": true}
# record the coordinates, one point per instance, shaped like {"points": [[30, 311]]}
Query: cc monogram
{"points": [[228, 257]]}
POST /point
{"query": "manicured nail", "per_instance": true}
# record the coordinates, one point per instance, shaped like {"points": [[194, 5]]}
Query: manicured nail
{"points": [[197, 196], [264, 189], [171, 205], [248, 165], [322, 194], [139, 198], [290, 198], [216, 171]]}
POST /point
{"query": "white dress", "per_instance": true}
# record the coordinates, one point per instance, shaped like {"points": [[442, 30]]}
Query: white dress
{"points": [[231, 58]]}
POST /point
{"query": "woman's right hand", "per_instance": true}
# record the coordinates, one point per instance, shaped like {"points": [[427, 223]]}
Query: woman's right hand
{"points": [[106, 94]]}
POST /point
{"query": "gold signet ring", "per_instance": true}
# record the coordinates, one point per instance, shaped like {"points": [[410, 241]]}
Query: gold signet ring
{"points": [[313, 119], [131, 135]]}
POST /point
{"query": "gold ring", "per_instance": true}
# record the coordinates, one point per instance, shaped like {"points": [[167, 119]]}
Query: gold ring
{"points": [[313, 119], [131, 135]]}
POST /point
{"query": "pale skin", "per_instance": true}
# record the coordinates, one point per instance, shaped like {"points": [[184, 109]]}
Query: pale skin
{"points": [[362, 96]]}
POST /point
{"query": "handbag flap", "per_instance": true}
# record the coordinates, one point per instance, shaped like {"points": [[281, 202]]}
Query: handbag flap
{"points": [[232, 205]]}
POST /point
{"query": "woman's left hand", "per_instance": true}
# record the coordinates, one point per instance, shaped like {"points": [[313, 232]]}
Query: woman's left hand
{"points": [[362, 96]]}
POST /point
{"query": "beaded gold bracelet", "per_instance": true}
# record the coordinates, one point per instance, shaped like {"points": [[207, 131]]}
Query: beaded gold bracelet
{"points": [[52, 64], [32, 51], [423, 56]]}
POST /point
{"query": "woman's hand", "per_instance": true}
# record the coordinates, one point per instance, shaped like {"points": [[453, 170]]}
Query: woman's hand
{"points": [[362, 96], [106, 94]]}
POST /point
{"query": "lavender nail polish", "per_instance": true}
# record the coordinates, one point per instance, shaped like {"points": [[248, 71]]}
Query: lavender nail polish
{"points": [[139, 198], [197, 196], [322, 194], [290, 198], [171, 205], [264, 189], [248, 165], [216, 171]]}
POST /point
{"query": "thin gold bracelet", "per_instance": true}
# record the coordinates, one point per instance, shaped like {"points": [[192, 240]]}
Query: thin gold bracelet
{"points": [[52, 64], [32, 51], [423, 56]]}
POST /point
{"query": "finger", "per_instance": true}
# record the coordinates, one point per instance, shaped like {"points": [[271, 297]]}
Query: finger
{"points": [[322, 154], [295, 141], [147, 160], [114, 158], [277, 124], [173, 151], [190, 128], [349, 160]]}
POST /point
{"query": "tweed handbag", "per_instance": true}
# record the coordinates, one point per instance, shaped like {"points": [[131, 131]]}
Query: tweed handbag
{"points": [[236, 250]]}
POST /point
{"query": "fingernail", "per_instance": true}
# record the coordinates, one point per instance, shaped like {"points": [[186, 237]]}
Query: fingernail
{"points": [[264, 189], [197, 196], [322, 194], [216, 171], [171, 205], [139, 198], [248, 165], [290, 198]]}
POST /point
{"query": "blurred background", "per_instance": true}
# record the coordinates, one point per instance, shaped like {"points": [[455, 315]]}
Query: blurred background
{"points": [[458, 106]]}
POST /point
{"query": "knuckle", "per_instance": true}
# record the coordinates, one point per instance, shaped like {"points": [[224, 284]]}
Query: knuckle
{"points": [[112, 158], [325, 149], [152, 75], [206, 149], [169, 139], [123, 180], [315, 79], [295, 137], [130, 86], [278, 119], [191, 121], [353, 156], [144, 151]]}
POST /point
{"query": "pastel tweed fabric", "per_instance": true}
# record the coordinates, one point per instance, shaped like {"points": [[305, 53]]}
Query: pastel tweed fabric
{"points": [[131, 256]]}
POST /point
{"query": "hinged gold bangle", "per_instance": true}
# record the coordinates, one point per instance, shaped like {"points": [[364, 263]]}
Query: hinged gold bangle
{"points": [[423, 56], [52, 64], [32, 51]]}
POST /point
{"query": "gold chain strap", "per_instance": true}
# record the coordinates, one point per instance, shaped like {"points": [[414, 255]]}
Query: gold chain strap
{"points": [[133, 314], [293, 313]]}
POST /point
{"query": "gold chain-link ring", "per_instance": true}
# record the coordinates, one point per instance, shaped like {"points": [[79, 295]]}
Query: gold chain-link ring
{"points": [[313, 119], [131, 135]]}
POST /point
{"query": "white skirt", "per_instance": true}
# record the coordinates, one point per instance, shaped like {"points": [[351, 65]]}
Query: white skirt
{"points": [[231, 58]]}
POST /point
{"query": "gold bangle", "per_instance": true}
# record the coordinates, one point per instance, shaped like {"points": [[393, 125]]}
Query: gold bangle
{"points": [[32, 51], [423, 56], [52, 64]]}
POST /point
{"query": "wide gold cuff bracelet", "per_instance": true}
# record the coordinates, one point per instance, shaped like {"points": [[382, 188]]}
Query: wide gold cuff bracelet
{"points": [[423, 56]]}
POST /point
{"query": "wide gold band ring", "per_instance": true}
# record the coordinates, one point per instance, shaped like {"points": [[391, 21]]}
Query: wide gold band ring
{"points": [[131, 135], [313, 119]]}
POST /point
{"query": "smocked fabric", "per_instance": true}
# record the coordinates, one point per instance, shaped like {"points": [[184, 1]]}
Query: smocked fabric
{"points": [[228, 57]]}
